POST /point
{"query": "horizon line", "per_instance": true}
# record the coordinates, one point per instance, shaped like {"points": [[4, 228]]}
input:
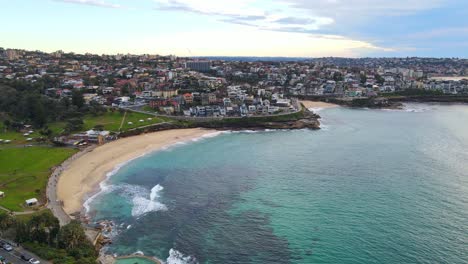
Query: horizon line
{"points": [[235, 56]]}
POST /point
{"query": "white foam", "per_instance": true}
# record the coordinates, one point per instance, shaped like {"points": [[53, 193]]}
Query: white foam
{"points": [[104, 187], [176, 257], [411, 108], [316, 109], [143, 205], [155, 192]]}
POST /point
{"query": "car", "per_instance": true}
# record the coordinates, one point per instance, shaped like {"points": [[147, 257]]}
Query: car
{"points": [[25, 257], [34, 261], [7, 247]]}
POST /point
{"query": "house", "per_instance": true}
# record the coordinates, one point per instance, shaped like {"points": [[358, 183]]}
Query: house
{"points": [[32, 202], [169, 110], [283, 102], [227, 102], [212, 98], [166, 93], [96, 136], [208, 98], [147, 94], [188, 98]]}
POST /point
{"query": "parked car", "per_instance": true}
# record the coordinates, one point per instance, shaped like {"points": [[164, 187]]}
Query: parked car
{"points": [[25, 257], [34, 261], [7, 247]]}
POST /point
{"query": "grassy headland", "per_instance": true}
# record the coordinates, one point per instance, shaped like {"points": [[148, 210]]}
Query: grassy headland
{"points": [[24, 172]]}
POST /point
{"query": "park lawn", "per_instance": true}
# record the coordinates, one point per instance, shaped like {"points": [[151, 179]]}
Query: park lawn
{"points": [[24, 172], [135, 118], [57, 127], [16, 137], [111, 121]]}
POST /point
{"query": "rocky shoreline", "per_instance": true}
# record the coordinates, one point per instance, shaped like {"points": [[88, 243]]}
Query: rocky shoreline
{"points": [[303, 119]]}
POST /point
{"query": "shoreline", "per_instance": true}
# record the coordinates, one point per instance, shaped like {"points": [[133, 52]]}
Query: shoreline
{"points": [[316, 106], [82, 177]]}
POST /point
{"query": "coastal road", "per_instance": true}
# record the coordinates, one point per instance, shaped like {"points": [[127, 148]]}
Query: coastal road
{"points": [[15, 256]]}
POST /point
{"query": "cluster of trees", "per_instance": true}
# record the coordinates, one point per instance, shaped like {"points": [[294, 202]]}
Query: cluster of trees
{"points": [[43, 235], [250, 79], [22, 102]]}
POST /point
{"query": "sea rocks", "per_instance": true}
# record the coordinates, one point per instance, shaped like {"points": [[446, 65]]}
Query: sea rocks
{"points": [[106, 259]]}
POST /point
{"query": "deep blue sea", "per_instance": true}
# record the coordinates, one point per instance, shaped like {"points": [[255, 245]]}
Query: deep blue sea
{"points": [[373, 186]]}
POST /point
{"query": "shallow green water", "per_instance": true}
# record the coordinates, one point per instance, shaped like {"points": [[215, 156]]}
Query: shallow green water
{"points": [[373, 186]]}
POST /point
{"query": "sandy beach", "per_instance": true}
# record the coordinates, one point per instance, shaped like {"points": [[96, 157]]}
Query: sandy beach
{"points": [[82, 175], [318, 104]]}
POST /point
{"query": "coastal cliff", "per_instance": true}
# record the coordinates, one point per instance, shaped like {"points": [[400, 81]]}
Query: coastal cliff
{"points": [[362, 102]]}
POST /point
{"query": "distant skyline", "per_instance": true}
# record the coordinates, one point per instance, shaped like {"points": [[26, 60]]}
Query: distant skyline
{"points": [[284, 28]]}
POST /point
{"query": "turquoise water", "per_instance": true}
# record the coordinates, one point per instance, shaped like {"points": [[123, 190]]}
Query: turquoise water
{"points": [[373, 186]]}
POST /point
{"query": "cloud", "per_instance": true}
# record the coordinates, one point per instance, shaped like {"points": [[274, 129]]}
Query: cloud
{"points": [[295, 21], [366, 8], [260, 43], [252, 13], [97, 3]]}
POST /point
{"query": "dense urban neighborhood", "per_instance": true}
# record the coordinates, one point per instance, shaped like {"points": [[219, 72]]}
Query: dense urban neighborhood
{"points": [[55, 107], [204, 88]]}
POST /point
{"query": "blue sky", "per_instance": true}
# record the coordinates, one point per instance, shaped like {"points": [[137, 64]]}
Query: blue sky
{"points": [[305, 28]]}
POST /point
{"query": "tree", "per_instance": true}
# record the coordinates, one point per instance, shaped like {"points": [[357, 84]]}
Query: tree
{"points": [[380, 80], [72, 236], [5, 222], [38, 114], [46, 132], [77, 99], [6, 123], [74, 124], [363, 78]]}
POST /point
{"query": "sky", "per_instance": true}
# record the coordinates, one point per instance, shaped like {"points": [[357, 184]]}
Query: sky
{"points": [[286, 28]]}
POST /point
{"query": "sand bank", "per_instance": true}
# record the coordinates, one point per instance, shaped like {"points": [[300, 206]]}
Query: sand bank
{"points": [[318, 104], [83, 175]]}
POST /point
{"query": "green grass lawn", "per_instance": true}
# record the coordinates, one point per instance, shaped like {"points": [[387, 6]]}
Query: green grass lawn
{"points": [[112, 120], [24, 172], [16, 137]]}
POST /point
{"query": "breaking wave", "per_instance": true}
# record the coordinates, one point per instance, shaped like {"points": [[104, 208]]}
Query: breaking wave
{"points": [[176, 257], [143, 205], [416, 108], [315, 109]]}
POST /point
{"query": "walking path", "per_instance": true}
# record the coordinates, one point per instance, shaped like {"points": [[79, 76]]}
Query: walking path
{"points": [[52, 202]]}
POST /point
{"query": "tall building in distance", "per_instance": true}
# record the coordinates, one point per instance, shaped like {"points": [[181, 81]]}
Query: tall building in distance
{"points": [[201, 66]]}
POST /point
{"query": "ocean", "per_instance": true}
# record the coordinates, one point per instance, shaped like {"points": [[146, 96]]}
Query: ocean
{"points": [[373, 186]]}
